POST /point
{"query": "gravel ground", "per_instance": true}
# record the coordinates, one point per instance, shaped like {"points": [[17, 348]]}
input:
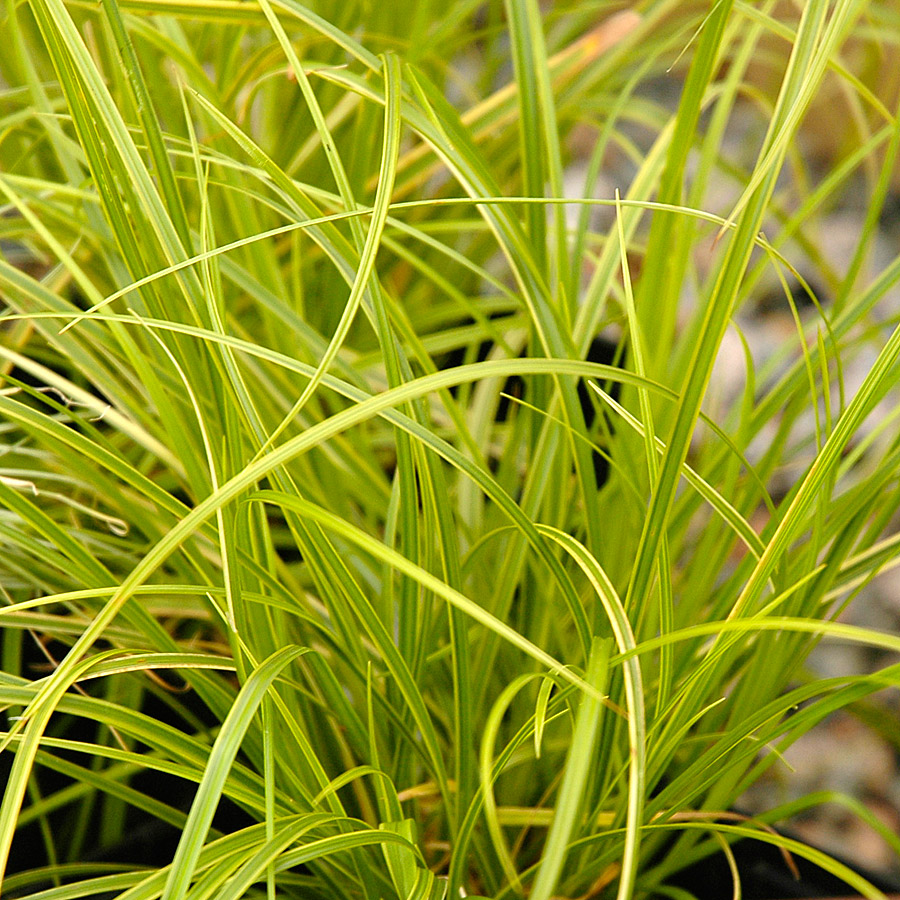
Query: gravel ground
{"points": [[847, 755]]}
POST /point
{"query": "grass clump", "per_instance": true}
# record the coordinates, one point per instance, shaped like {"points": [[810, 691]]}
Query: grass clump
{"points": [[348, 563]]}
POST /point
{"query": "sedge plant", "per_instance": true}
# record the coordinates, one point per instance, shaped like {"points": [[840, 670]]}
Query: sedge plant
{"points": [[329, 549]]}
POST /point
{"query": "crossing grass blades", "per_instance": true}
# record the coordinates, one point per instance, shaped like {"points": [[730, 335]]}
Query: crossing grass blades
{"points": [[292, 582]]}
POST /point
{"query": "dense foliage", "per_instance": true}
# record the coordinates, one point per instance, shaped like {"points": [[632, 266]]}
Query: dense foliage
{"points": [[367, 521]]}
